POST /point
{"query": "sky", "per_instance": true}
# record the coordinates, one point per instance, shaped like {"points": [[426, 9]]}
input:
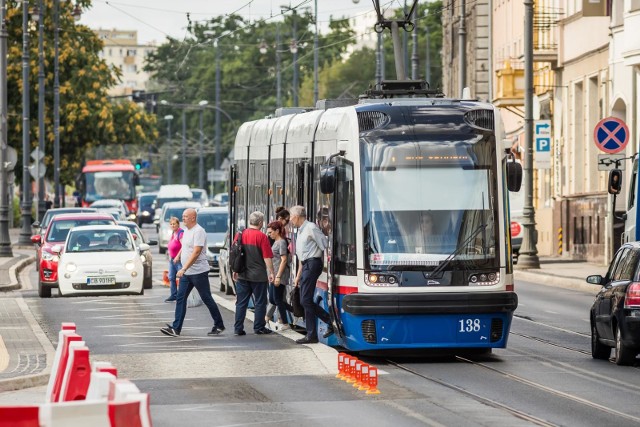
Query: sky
{"points": [[157, 19]]}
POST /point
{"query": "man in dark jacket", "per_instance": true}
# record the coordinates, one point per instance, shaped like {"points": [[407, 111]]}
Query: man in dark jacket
{"points": [[255, 278]]}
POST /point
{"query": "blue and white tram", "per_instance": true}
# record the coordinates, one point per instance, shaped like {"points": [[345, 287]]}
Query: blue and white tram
{"points": [[413, 194]]}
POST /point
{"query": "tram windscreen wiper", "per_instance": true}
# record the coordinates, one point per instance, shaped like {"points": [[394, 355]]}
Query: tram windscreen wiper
{"points": [[455, 253], [410, 267]]}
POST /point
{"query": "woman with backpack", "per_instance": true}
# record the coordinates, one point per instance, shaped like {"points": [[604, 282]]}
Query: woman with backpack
{"points": [[174, 247], [277, 289]]}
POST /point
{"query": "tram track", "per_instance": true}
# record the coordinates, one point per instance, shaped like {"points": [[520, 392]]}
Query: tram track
{"points": [[512, 377]]}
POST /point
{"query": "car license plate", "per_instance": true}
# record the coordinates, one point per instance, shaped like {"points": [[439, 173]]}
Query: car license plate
{"points": [[102, 280]]}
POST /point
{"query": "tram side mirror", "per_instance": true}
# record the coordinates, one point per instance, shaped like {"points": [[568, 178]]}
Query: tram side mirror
{"points": [[615, 181], [328, 179], [514, 176]]}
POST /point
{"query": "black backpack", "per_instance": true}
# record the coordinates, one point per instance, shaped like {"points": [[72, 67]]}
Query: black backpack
{"points": [[237, 255]]}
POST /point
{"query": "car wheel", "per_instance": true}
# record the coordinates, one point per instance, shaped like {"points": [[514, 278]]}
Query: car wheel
{"points": [[162, 250], [147, 283], [598, 350], [43, 291], [624, 355]]}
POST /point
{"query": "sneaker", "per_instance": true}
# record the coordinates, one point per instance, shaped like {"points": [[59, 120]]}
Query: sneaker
{"points": [[328, 332], [239, 333], [306, 340], [283, 326], [216, 331], [170, 331], [264, 331], [170, 299]]}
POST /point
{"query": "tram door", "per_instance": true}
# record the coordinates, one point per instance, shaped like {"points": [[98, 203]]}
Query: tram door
{"points": [[305, 181]]}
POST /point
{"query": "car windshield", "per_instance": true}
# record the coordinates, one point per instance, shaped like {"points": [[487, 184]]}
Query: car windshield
{"points": [[60, 229], [147, 201], [99, 240], [169, 212], [213, 222], [109, 185], [51, 213]]}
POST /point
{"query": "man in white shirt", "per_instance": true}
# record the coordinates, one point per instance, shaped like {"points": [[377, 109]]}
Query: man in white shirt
{"points": [[310, 246], [194, 273]]}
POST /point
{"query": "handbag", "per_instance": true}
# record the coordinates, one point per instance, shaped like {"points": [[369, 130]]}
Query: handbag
{"points": [[294, 298], [194, 300]]}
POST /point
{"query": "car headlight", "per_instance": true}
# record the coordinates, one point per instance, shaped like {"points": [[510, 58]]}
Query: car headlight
{"points": [[48, 256], [143, 258], [130, 265], [145, 213], [72, 267]]}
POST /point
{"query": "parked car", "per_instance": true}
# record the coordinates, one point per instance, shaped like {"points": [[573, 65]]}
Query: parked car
{"points": [[55, 234], [615, 313], [200, 196], [100, 259], [220, 199], [42, 225], [227, 285], [147, 256], [167, 194], [111, 205], [168, 210], [215, 221], [145, 208]]}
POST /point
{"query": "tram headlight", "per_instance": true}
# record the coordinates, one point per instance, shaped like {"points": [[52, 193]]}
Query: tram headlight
{"points": [[484, 279], [380, 279]]}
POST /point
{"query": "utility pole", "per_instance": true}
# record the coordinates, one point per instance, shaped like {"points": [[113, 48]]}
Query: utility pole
{"points": [[217, 117], [528, 257], [462, 47], [25, 232], [184, 146], [414, 53], [5, 240], [278, 71], [379, 59], [41, 130], [56, 102], [294, 50], [427, 73], [168, 118], [315, 58]]}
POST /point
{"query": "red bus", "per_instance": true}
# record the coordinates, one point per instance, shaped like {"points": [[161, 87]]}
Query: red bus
{"points": [[109, 179]]}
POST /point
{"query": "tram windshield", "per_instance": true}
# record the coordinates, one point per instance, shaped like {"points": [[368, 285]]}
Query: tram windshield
{"points": [[426, 201]]}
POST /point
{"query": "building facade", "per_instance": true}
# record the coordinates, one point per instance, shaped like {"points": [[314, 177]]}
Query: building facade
{"points": [[121, 48]]}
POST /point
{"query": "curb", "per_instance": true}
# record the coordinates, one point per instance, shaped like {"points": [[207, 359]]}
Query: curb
{"points": [[564, 282], [14, 283], [326, 355]]}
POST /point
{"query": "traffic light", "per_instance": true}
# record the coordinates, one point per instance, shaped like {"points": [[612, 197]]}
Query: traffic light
{"points": [[138, 164]]}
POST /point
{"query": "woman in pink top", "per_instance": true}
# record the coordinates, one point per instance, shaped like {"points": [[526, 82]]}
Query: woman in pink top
{"points": [[174, 248]]}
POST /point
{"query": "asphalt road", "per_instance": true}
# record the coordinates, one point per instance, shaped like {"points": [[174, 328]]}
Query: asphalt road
{"points": [[546, 376]]}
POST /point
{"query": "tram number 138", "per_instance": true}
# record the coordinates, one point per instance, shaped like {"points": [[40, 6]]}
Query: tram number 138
{"points": [[469, 325]]}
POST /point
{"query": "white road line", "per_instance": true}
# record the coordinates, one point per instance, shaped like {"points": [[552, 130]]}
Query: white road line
{"points": [[4, 356]]}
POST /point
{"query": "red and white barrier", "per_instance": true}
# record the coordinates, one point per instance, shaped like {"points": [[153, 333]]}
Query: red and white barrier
{"points": [[145, 410], [104, 367], [77, 375], [119, 389], [125, 414], [99, 386], [80, 413], [19, 416], [66, 329]]}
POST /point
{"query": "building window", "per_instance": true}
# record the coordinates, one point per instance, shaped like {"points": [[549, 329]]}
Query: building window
{"points": [[131, 52], [131, 68]]}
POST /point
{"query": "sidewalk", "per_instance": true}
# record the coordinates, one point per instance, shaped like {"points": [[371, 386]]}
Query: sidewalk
{"points": [[26, 353]]}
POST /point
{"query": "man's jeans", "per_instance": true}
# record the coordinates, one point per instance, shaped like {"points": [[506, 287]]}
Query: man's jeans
{"points": [[311, 270], [173, 270], [201, 283], [244, 290]]}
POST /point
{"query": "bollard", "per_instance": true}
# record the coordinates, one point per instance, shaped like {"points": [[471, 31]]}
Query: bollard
{"points": [[340, 366], [352, 370], [165, 278], [373, 381], [345, 367], [364, 374], [358, 381]]}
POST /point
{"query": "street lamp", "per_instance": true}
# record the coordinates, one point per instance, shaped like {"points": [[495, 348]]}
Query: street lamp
{"points": [[200, 146], [5, 240], [528, 257], [25, 232], [168, 118], [263, 50], [293, 47], [38, 16]]}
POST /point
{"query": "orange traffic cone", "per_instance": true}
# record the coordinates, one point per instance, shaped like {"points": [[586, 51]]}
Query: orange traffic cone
{"points": [[165, 278], [373, 381]]}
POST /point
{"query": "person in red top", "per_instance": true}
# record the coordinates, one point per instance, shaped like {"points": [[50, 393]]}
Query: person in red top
{"points": [[174, 247], [255, 278]]}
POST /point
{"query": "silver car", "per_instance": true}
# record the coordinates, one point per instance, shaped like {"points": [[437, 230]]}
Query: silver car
{"points": [[168, 210], [215, 221]]}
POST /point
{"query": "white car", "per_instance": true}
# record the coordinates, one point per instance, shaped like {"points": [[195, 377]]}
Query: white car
{"points": [[100, 259], [164, 229], [112, 205]]}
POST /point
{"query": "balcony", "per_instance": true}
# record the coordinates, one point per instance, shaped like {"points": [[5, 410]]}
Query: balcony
{"points": [[510, 84], [545, 23]]}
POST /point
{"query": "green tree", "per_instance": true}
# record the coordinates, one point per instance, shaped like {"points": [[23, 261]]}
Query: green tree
{"points": [[87, 117]]}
